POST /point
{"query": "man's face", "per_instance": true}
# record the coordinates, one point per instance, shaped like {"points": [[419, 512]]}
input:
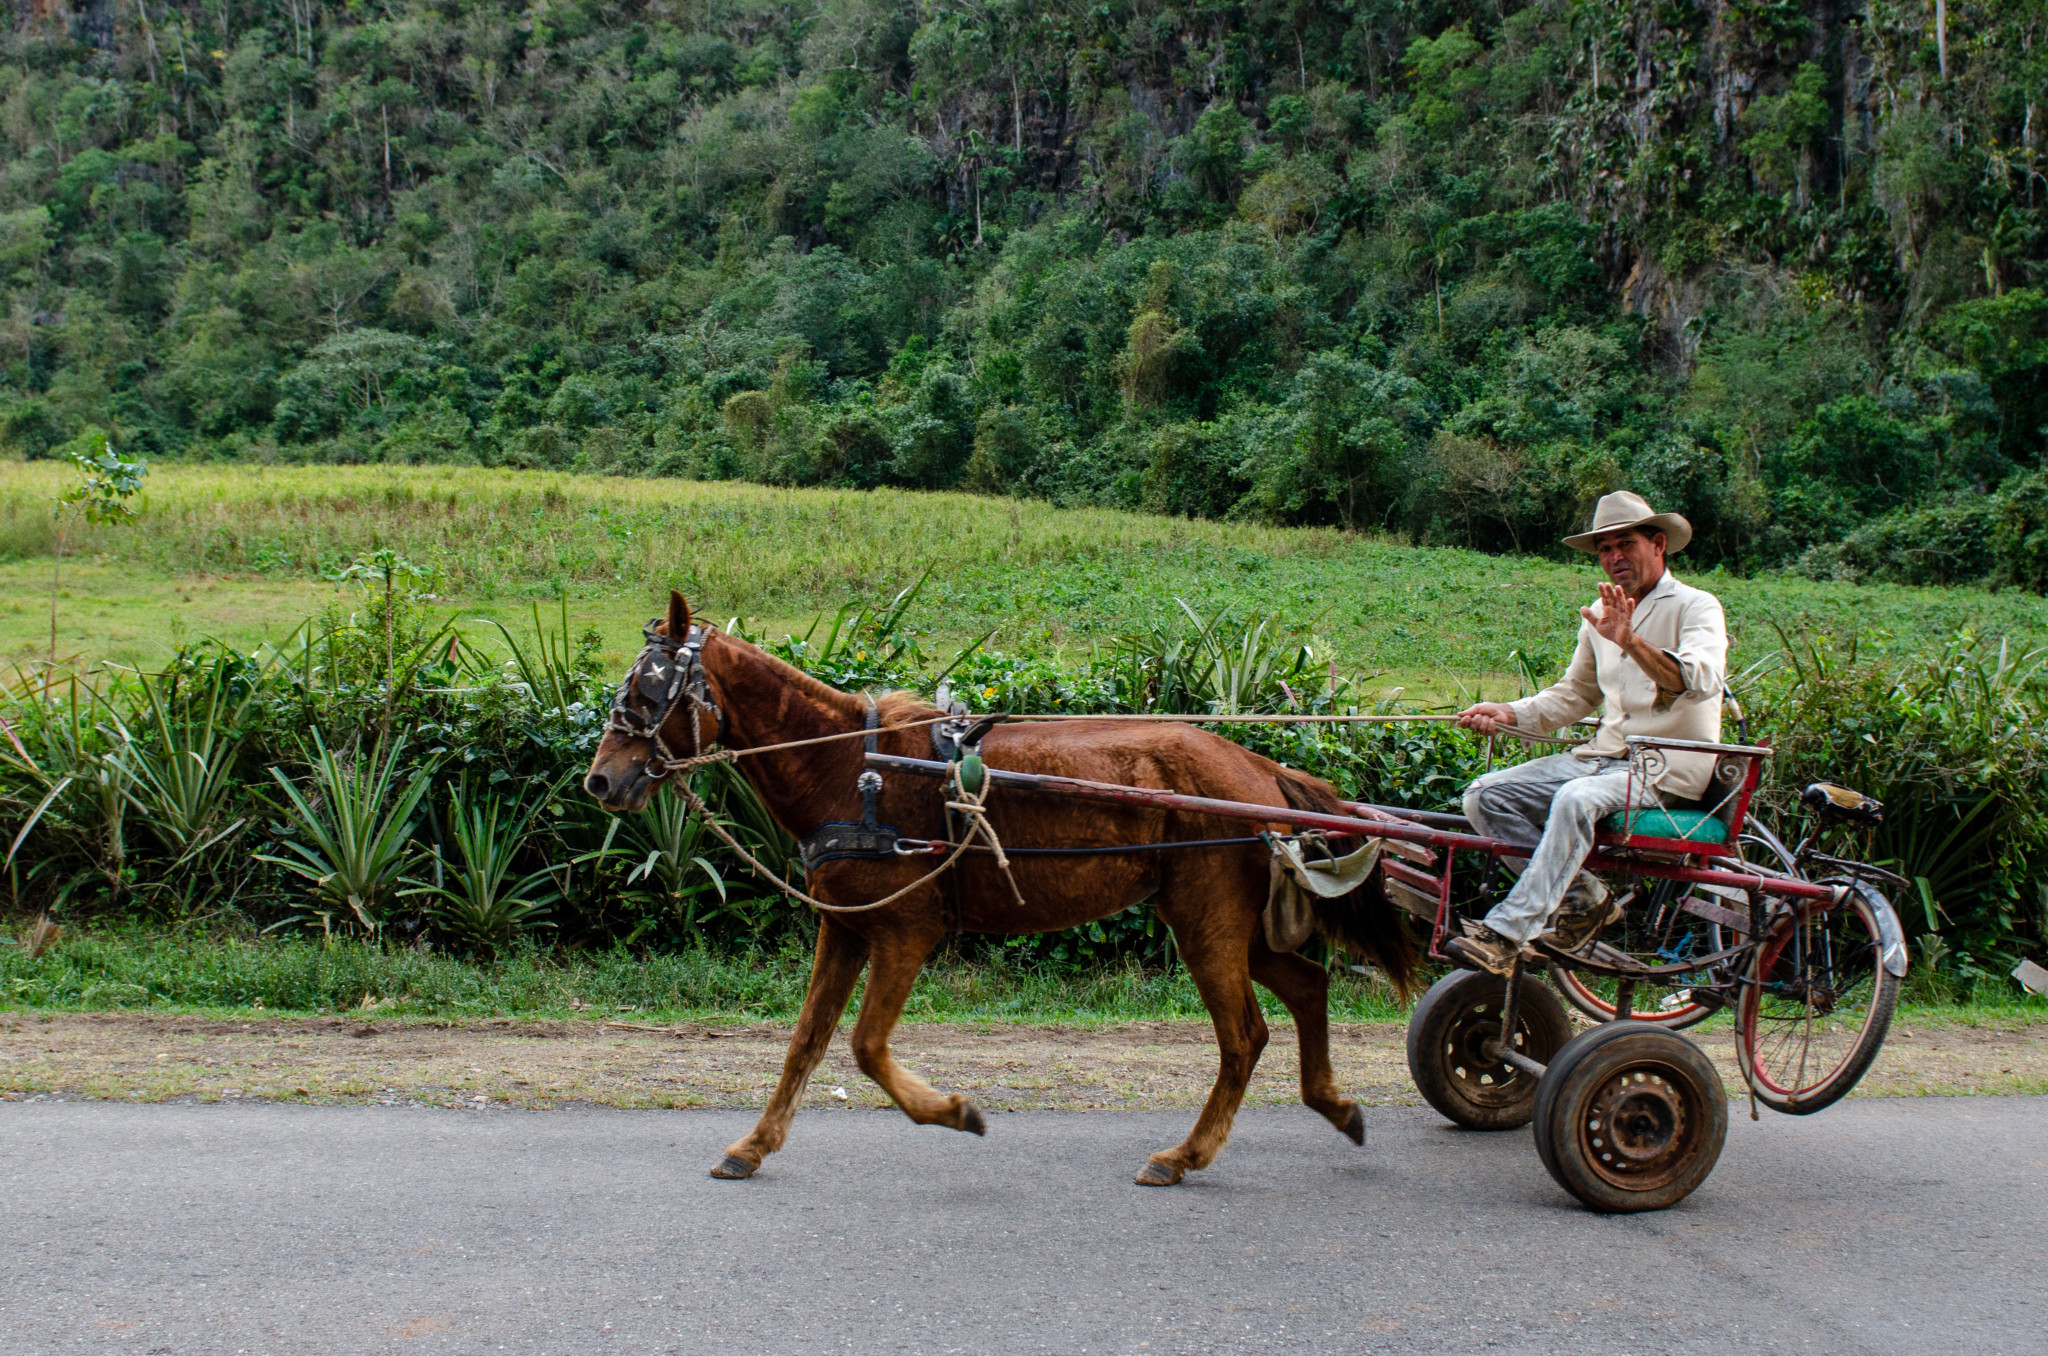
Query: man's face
{"points": [[1633, 560]]}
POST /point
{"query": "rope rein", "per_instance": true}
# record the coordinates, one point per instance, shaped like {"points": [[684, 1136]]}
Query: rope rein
{"points": [[963, 801], [691, 764], [703, 812]]}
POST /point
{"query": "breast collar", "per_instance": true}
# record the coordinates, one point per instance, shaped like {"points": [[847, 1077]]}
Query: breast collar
{"points": [[669, 673], [841, 838]]}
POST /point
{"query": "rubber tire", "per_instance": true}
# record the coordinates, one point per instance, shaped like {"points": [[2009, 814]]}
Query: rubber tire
{"points": [[1540, 1017], [1757, 843], [1597, 1009], [1884, 1001], [1581, 1069]]}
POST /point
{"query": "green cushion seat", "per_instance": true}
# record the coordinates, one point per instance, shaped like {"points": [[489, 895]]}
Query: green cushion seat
{"points": [[1694, 826]]}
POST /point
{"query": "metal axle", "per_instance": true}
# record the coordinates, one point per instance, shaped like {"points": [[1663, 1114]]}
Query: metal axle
{"points": [[1506, 1054]]}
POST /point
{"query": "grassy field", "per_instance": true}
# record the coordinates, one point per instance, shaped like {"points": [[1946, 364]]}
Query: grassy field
{"points": [[240, 552], [149, 969], [118, 969]]}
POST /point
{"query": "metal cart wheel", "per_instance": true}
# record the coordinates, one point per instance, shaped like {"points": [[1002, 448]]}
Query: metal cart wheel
{"points": [[1450, 1031], [1630, 1117], [1817, 1007]]}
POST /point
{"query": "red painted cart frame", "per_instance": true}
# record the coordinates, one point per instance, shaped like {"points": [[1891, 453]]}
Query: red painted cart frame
{"points": [[1638, 855]]}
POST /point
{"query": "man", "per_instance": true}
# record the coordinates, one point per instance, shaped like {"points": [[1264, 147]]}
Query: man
{"points": [[1652, 656]]}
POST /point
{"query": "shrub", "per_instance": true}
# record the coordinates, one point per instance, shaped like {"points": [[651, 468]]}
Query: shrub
{"points": [[189, 791], [1956, 746]]}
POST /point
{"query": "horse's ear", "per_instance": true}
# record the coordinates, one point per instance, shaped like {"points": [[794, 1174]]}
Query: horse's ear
{"points": [[678, 616]]}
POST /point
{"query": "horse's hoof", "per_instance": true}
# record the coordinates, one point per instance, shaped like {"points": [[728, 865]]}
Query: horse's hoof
{"points": [[971, 1121], [733, 1168], [1354, 1126], [1158, 1174]]}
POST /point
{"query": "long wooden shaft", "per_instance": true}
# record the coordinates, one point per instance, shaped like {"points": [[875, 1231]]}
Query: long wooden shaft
{"points": [[1601, 860], [1227, 809]]}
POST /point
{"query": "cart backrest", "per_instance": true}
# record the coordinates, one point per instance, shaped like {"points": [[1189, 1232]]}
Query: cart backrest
{"points": [[1713, 825]]}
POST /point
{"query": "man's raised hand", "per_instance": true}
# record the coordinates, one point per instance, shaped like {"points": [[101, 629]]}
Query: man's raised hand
{"points": [[1612, 621]]}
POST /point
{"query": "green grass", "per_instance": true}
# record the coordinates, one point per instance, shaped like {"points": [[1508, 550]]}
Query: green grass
{"points": [[118, 969], [144, 969], [237, 552]]}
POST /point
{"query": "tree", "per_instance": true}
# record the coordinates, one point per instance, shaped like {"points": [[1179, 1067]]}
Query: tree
{"points": [[106, 485], [1340, 440]]}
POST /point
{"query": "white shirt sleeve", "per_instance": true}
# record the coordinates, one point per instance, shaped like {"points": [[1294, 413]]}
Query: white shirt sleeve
{"points": [[1570, 698], [1702, 653]]}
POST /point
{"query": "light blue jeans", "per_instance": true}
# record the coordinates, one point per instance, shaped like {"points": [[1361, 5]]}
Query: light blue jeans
{"points": [[1553, 805]]}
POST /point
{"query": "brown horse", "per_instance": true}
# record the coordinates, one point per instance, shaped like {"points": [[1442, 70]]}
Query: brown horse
{"points": [[694, 686]]}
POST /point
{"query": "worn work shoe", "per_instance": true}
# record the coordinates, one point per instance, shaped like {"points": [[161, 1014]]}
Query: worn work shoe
{"points": [[1578, 926], [1484, 949]]}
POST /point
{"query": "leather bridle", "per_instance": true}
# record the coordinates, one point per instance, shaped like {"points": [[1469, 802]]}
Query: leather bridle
{"points": [[667, 673]]}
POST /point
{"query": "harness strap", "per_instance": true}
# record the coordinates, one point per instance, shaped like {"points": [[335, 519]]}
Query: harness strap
{"points": [[870, 781]]}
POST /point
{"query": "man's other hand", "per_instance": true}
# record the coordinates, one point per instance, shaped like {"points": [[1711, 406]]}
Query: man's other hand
{"points": [[1487, 717]]}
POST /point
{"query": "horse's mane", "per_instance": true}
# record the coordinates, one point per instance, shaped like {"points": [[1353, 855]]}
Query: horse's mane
{"points": [[819, 691], [902, 708], [898, 707]]}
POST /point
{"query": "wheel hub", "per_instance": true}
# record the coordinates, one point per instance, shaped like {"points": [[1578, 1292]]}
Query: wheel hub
{"points": [[1485, 1078], [1638, 1131]]}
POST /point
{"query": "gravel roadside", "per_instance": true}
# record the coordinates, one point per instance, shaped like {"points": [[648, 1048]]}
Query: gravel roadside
{"points": [[536, 1064]]}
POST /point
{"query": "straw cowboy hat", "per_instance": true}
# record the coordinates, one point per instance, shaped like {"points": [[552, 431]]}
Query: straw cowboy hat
{"points": [[1620, 511]]}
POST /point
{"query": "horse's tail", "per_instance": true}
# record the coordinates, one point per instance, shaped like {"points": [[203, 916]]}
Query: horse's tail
{"points": [[1364, 922]]}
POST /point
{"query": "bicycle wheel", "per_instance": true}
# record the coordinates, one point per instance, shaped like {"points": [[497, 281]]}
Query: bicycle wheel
{"points": [[1657, 932], [1663, 933], [1817, 1005]]}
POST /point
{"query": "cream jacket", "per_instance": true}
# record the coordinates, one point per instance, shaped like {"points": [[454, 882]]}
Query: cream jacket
{"points": [[1686, 624]]}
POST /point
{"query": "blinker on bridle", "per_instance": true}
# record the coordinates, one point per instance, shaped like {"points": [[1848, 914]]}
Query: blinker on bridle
{"points": [[667, 673]]}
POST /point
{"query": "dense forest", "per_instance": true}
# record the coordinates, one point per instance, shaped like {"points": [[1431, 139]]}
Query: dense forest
{"points": [[1439, 267]]}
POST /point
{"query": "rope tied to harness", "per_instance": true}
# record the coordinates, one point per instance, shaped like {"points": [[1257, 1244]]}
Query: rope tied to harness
{"points": [[973, 807], [668, 764], [768, 873], [969, 802]]}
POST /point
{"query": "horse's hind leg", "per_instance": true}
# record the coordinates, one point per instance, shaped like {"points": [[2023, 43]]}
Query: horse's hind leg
{"points": [[1305, 988], [895, 966], [1216, 962], [834, 971]]}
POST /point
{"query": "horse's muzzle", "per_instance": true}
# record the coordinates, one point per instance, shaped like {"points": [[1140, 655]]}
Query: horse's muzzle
{"points": [[622, 791]]}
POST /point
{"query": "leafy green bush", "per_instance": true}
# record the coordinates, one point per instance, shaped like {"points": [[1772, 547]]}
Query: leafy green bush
{"points": [[1956, 746]]}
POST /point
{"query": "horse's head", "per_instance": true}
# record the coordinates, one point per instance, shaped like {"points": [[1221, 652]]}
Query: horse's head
{"points": [[661, 712]]}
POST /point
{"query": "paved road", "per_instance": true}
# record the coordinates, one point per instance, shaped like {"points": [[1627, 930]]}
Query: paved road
{"points": [[1910, 1226]]}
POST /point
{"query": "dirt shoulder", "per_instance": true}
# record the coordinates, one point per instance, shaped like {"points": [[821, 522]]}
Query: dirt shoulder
{"points": [[148, 1057]]}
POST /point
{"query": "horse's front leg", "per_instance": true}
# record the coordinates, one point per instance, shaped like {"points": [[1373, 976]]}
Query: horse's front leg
{"points": [[834, 971], [898, 956], [1304, 987], [1214, 945]]}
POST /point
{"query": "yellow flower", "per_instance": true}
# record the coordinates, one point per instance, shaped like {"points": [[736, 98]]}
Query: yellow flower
{"points": [[988, 692]]}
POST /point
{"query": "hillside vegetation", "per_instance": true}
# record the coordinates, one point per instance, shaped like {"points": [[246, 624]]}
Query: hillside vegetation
{"points": [[1437, 268]]}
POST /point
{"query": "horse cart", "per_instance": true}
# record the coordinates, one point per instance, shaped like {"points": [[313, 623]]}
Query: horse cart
{"points": [[1801, 947]]}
